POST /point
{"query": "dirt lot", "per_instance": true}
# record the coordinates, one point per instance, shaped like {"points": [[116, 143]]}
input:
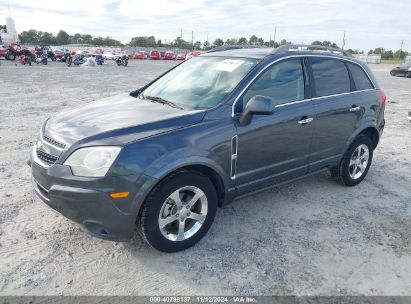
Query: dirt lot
{"points": [[312, 237]]}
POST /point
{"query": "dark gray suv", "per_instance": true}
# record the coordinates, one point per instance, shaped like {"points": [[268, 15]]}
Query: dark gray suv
{"points": [[213, 129]]}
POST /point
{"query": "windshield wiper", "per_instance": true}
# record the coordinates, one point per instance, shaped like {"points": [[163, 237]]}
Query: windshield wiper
{"points": [[163, 101]]}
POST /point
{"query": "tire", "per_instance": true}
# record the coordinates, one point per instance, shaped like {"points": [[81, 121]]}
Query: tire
{"points": [[11, 56], [69, 61], [351, 170], [125, 63], [408, 75], [159, 206], [392, 73]]}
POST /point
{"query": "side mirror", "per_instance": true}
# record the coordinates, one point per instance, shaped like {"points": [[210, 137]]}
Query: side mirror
{"points": [[135, 93], [260, 105]]}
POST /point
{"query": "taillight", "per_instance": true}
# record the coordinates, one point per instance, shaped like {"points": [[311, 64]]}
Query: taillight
{"points": [[383, 97]]}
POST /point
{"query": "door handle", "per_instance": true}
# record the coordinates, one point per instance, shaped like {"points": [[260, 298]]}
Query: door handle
{"points": [[305, 120], [355, 109]]}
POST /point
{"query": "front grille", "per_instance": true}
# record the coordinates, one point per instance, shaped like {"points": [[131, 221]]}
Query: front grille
{"points": [[54, 142], [46, 158]]}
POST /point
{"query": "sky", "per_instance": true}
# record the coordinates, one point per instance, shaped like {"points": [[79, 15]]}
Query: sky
{"points": [[368, 23]]}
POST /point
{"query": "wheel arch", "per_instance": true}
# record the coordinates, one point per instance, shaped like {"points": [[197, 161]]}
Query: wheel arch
{"points": [[204, 166], [369, 131]]}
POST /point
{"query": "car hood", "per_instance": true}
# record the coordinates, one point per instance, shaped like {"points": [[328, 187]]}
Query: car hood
{"points": [[118, 119]]}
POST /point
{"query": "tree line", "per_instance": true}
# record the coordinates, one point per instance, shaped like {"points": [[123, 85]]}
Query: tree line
{"points": [[63, 38]]}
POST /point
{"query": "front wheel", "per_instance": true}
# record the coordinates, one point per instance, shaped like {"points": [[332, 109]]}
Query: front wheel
{"points": [[408, 75], [355, 163], [392, 73], [179, 211]]}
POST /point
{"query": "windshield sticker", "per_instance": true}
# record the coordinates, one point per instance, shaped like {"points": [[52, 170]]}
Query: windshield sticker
{"points": [[228, 65]]}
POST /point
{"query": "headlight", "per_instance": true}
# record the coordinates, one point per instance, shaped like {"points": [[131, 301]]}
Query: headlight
{"points": [[92, 161]]}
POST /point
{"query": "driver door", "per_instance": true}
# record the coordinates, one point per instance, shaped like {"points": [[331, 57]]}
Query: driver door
{"points": [[274, 148]]}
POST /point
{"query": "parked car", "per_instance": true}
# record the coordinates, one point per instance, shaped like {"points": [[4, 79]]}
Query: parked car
{"points": [[181, 56], [220, 126], [155, 55], [193, 54], [108, 55], [403, 70], [169, 55], [140, 55]]}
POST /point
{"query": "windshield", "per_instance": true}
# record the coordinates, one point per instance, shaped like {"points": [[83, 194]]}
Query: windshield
{"points": [[201, 82]]}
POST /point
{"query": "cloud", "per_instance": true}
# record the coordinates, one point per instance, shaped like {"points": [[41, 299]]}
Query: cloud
{"points": [[368, 24]]}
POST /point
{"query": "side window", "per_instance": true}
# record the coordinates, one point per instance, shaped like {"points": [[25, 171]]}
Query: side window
{"points": [[283, 82], [330, 76], [360, 79]]}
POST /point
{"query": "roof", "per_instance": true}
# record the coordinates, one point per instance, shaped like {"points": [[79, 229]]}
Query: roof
{"points": [[257, 53]]}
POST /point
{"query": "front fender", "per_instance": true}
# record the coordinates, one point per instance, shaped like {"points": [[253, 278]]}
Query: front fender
{"points": [[183, 158]]}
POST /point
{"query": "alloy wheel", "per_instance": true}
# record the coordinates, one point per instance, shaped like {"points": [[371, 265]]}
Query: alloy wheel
{"points": [[183, 213], [359, 161]]}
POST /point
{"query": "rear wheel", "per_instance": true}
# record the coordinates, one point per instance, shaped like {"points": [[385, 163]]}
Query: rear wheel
{"points": [[179, 211], [356, 162]]}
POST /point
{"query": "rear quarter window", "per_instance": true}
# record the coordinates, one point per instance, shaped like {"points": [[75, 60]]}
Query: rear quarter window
{"points": [[361, 80], [330, 76]]}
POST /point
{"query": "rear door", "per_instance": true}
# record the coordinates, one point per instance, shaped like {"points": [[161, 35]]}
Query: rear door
{"points": [[338, 105]]}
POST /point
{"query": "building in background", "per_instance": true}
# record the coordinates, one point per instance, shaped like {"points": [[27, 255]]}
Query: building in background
{"points": [[11, 35]]}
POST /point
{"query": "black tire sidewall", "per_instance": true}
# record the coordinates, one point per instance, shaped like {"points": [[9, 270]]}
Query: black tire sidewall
{"points": [[346, 178], [153, 205]]}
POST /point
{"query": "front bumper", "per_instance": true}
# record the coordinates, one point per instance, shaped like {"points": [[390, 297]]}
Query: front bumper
{"points": [[87, 201]]}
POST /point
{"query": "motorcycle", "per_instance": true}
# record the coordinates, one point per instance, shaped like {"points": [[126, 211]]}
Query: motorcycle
{"points": [[12, 52], [99, 59], [42, 59], [122, 60], [76, 60], [65, 57], [25, 57]]}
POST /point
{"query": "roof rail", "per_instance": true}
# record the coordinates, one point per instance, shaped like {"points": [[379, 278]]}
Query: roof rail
{"points": [[227, 47], [307, 47]]}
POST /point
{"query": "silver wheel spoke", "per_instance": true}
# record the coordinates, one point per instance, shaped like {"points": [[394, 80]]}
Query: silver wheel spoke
{"points": [[175, 196], [197, 217], [197, 195], [352, 162], [168, 220], [181, 228]]}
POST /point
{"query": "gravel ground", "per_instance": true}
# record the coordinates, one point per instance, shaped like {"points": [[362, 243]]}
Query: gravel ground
{"points": [[311, 237]]}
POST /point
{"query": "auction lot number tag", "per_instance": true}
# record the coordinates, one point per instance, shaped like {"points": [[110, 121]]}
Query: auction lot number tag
{"points": [[228, 65]]}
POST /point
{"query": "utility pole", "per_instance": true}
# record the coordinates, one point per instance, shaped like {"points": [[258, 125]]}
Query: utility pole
{"points": [[207, 37], [343, 41], [275, 33], [192, 40], [181, 33], [399, 55]]}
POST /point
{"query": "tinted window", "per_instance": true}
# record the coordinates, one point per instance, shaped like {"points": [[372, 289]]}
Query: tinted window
{"points": [[331, 76], [283, 82], [360, 79]]}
